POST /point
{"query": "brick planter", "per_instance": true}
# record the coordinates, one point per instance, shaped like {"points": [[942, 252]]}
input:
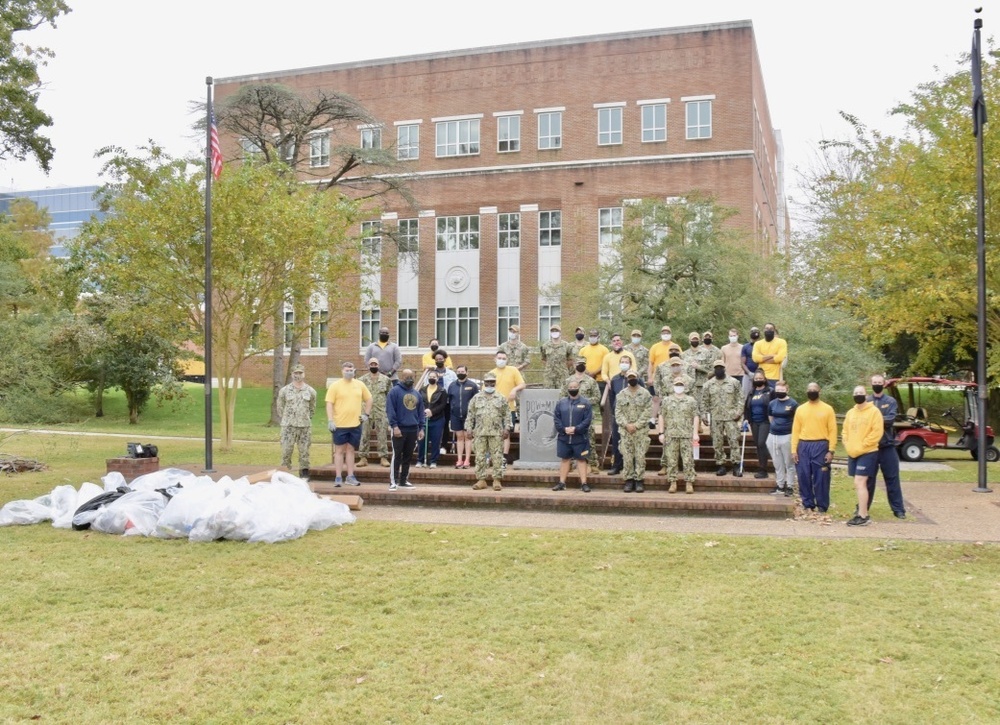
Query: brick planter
{"points": [[132, 468]]}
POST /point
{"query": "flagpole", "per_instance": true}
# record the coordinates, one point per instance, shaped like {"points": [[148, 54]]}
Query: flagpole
{"points": [[978, 128], [208, 275]]}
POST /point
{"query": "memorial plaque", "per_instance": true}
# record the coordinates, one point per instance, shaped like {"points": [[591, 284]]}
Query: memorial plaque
{"points": [[538, 432]]}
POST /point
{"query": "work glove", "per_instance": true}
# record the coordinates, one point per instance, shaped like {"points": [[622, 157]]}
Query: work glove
{"points": [[331, 426]]}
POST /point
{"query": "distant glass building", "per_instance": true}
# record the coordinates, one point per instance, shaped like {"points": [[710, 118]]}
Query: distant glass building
{"points": [[68, 206]]}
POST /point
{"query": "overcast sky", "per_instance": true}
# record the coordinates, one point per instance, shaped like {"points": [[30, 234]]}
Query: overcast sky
{"points": [[126, 71]]}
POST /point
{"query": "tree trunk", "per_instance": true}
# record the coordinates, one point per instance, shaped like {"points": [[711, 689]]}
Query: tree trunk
{"points": [[993, 410], [277, 365], [99, 399]]}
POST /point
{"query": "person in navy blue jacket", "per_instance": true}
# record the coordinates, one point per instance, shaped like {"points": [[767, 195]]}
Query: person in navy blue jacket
{"points": [[572, 419], [888, 459], [405, 409], [460, 393]]}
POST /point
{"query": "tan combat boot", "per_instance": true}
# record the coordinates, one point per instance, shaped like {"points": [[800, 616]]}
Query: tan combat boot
{"points": [[362, 462], [688, 487], [384, 462], [479, 485], [673, 487], [662, 471], [496, 485]]}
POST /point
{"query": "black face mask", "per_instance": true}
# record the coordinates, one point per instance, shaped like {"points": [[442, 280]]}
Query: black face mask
{"points": [[878, 388], [407, 383], [754, 335], [759, 383], [462, 376], [859, 399], [720, 373], [633, 381], [440, 365], [695, 343], [581, 367], [432, 381], [708, 340], [813, 395], [769, 335], [383, 336], [781, 396], [579, 336], [434, 348], [573, 393], [373, 371]]}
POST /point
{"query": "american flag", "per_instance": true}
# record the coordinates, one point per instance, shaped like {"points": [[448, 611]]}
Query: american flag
{"points": [[216, 151]]}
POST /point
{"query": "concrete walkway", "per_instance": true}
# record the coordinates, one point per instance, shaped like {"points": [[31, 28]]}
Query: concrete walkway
{"points": [[935, 512]]}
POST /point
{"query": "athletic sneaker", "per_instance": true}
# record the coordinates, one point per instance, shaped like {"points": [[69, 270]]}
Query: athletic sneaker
{"points": [[419, 464], [860, 521], [789, 492], [778, 490], [337, 482], [393, 487], [406, 484], [433, 465], [352, 481]]}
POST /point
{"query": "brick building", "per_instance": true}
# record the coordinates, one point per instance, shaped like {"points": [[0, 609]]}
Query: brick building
{"points": [[521, 158]]}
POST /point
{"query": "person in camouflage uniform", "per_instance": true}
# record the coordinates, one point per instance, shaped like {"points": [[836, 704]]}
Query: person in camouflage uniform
{"points": [[678, 429], [590, 391], [697, 366], [633, 408], [378, 385], [722, 401], [639, 352], [518, 354], [488, 424], [669, 371], [579, 340], [296, 406], [555, 356], [708, 349]]}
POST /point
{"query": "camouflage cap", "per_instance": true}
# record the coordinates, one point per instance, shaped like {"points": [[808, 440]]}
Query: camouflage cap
{"points": [[694, 336], [719, 363], [555, 328], [488, 377], [680, 381], [298, 369], [637, 332], [632, 374], [581, 359], [514, 328]]}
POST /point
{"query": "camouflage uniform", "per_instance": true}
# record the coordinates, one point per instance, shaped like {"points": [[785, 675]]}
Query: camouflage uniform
{"points": [[641, 355], [723, 401], [678, 414], [555, 353], [664, 376], [488, 420], [634, 405], [590, 391], [296, 407], [518, 353], [378, 385], [699, 368], [576, 346]]}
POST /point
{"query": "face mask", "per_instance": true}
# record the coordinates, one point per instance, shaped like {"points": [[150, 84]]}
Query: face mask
{"points": [[636, 340], [813, 395], [573, 392], [754, 335], [695, 343], [769, 335], [666, 337], [593, 340], [580, 367], [782, 395], [348, 374], [383, 336], [408, 383], [624, 367], [733, 338], [859, 399], [434, 348], [878, 388], [512, 336], [373, 371], [432, 381], [501, 363], [708, 340], [439, 364], [678, 389], [759, 383], [579, 336], [462, 376], [488, 389], [720, 373], [633, 381], [554, 335]]}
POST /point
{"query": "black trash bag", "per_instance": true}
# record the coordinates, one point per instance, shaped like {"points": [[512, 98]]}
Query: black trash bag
{"points": [[96, 503]]}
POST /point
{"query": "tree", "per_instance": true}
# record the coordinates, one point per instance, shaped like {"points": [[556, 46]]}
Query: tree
{"points": [[277, 125], [271, 236], [25, 267], [893, 230], [20, 116], [677, 262]]}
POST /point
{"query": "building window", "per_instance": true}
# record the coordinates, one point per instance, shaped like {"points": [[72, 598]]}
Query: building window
{"points": [[458, 138], [458, 326], [609, 126], [371, 138], [371, 239], [250, 149], [654, 122], [609, 226], [408, 142], [406, 328], [699, 119], [319, 150], [549, 315], [287, 150], [508, 231], [409, 236], [458, 232], [371, 321], [508, 133], [318, 324], [549, 228], [255, 336], [289, 328], [550, 130], [507, 316]]}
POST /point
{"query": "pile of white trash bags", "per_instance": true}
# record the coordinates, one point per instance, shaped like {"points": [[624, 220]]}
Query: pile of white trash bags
{"points": [[176, 504]]}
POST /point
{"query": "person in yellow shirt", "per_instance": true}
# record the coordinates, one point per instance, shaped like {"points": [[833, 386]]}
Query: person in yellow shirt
{"points": [[510, 382], [427, 360], [594, 353], [862, 432], [611, 364], [814, 439], [348, 405], [770, 353]]}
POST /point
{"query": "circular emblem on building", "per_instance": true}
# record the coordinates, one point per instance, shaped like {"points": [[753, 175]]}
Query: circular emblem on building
{"points": [[457, 279]]}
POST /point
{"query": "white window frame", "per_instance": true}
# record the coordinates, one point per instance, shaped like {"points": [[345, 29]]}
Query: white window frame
{"points": [[702, 107], [457, 233], [449, 133], [371, 137], [547, 140], [610, 225], [408, 141], [549, 314], [651, 131], [289, 328], [508, 235], [406, 327], [409, 235], [509, 133], [319, 150], [550, 228], [455, 324], [371, 321], [507, 315], [319, 327], [371, 239], [610, 124]]}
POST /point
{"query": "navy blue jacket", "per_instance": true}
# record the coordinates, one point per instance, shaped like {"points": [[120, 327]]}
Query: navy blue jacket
{"points": [[782, 412], [888, 407], [568, 413], [404, 407], [460, 393]]}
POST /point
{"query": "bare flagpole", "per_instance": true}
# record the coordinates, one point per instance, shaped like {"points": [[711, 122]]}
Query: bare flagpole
{"points": [[209, 124], [978, 124]]}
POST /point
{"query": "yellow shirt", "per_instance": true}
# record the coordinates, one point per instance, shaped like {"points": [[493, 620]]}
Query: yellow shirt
{"points": [[862, 430], [427, 361], [778, 348], [814, 421], [609, 366], [348, 398], [659, 353], [508, 378], [594, 355]]}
